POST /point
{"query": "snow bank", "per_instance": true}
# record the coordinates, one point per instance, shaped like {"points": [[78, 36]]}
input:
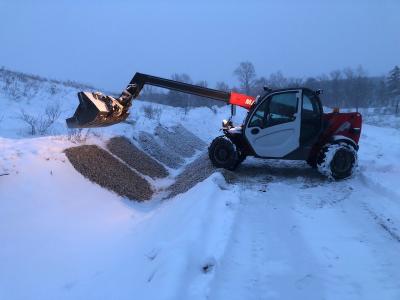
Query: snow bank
{"points": [[66, 238]]}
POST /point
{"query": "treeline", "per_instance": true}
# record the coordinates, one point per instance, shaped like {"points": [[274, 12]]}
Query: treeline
{"points": [[350, 87]]}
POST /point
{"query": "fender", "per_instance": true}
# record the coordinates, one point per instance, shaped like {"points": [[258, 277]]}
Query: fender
{"points": [[342, 138]]}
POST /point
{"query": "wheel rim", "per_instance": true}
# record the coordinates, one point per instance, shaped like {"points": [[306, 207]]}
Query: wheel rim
{"points": [[343, 161], [221, 154]]}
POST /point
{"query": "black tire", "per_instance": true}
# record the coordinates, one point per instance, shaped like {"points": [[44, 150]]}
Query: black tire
{"points": [[337, 161], [241, 158], [312, 163], [223, 153]]}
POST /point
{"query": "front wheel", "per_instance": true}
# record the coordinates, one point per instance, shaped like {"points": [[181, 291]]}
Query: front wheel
{"points": [[337, 161], [223, 153]]}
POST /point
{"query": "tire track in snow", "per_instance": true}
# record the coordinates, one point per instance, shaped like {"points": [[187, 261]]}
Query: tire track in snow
{"points": [[261, 261], [378, 188], [307, 239], [388, 220]]}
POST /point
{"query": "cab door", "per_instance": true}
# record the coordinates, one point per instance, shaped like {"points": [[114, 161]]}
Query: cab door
{"points": [[273, 128]]}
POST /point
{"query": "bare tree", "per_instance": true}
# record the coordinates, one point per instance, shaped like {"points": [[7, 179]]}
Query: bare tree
{"points": [[181, 77], [222, 86], [78, 135], [381, 93], [30, 120], [277, 80], [202, 83], [52, 112], [335, 77], [53, 89], [147, 91], [362, 87], [246, 74], [393, 84], [177, 98], [295, 82], [41, 124], [152, 113], [259, 85]]}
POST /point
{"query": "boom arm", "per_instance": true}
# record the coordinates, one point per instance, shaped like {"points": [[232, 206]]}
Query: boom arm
{"points": [[97, 110], [139, 80]]}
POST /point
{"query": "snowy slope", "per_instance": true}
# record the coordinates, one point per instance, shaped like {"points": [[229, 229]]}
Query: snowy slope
{"points": [[66, 238], [281, 231]]}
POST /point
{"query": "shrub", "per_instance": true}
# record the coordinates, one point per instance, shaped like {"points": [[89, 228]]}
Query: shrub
{"points": [[78, 135], [41, 124], [151, 112]]}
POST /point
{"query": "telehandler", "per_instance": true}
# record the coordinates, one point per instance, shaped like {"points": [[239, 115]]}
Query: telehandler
{"points": [[280, 124]]}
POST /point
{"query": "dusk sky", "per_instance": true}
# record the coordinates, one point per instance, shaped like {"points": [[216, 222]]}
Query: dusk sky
{"points": [[104, 43]]}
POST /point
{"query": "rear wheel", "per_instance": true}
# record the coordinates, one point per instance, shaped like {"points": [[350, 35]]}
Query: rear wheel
{"points": [[223, 153], [337, 161]]}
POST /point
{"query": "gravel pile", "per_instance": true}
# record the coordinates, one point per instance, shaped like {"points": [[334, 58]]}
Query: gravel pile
{"points": [[188, 136], [136, 158], [169, 147], [102, 168], [163, 154], [173, 140], [195, 172]]}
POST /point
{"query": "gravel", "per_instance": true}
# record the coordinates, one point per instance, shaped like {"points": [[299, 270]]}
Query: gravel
{"points": [[159, 151], [173, 140], [188, 136], [169, 147], [101, 167], [136, 158], [195, 172]]}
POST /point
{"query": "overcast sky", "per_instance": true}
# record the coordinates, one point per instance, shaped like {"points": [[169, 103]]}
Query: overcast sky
{"points": [[104, 42]]}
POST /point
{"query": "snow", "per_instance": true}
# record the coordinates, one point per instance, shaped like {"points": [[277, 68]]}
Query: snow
{"points": [[66, 238], [307, 244], [280, 231]]}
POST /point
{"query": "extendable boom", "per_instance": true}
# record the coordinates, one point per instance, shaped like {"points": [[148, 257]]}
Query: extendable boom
{"points": [[141, 79], [97, 110]]}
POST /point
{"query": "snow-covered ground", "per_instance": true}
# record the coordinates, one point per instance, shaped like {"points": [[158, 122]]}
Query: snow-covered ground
{"points": [[281, 231]]}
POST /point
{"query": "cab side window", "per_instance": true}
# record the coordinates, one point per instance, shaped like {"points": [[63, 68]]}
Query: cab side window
{"points": [[310, 119], [259, 117], [310, 108], [278, 109]]}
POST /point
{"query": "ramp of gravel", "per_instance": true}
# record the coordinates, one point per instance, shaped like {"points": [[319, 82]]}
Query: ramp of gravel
{"points": [[175, 142], [101, 167], [157, 150], [136, 158], [171, 145], [191, 139], [195, 172]]}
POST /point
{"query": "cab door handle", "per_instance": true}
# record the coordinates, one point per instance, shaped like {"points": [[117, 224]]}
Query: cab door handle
{"points": [[255, 131]]}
